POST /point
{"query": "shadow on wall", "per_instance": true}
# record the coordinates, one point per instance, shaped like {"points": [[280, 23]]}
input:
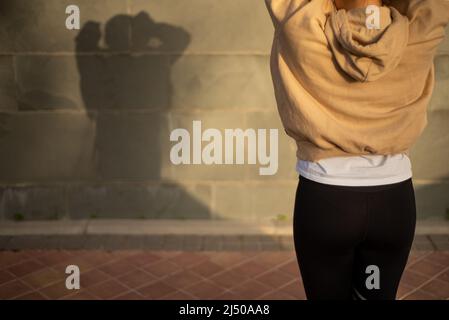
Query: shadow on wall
{"points": [[125, 77], [129, 73], [126, 90]]}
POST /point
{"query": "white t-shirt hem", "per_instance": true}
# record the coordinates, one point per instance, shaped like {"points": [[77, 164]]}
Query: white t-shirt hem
{"points": [[356, 182]]}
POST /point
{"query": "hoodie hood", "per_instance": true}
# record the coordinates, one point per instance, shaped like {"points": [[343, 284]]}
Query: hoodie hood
{"points": [[367, 54]]}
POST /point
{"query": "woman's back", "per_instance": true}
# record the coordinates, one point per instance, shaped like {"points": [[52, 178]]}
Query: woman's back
{"points": [[344, 90]]}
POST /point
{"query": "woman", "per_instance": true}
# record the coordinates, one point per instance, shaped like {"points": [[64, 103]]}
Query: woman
{"points": [[352, 83]]}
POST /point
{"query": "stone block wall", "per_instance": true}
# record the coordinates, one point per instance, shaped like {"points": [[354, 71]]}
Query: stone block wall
{"points": [[86, 115]]}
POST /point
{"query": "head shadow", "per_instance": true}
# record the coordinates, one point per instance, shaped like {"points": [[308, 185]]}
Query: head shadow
{"points": [[126, 86]]}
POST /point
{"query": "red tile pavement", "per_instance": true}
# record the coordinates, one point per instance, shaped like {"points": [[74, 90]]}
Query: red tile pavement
{"points": [[139, 274]]}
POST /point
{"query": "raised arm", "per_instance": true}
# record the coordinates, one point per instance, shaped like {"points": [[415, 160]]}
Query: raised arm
{"points": [[428, 20], [281, 9]]}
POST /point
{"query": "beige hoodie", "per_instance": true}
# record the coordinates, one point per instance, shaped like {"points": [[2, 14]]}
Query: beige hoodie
{"points": [[343, 89]]}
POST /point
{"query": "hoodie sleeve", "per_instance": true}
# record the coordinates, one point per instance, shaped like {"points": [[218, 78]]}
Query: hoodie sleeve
{"points": [[428, 20], [280, 9]]}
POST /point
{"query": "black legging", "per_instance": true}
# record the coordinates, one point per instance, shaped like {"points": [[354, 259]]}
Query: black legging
{"points": [[341, 230]]}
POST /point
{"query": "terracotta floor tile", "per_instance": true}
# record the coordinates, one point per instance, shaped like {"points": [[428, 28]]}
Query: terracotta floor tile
{"points": [[204, 290], [206, 268], [249, 269], [439, 257], [275, 258], [291, 268], [107, 289], [438, 288], [123, 254], [403, 290], [136, 278], [413, 279], [250, 290], [9, 258], [295, 289], [427, 267], [140, 259], [156, 290], [162, 268], [82, 262], [53, 258], [13, 289], [36, 253], [228, 295], [179, 295], [444, 276], [182, 279], [131, 295], [277, 295], [31, 296], [167, 254], [80, 295], [274, 278], [23, 268], [6, 276], [76, 252], [188, 259], [43, 278], [117, 268], [419, 253], [98, 257], [416, 255], [420, 295], [92, 277], [56, 290], [141, 274], [228, 279], [228, 259]]}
